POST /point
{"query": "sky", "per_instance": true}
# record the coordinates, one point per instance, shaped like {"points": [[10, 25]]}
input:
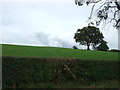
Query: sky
{"points": [[47, 24]]}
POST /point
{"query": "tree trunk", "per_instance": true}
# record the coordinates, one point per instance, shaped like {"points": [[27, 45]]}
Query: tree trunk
{"points": [[88, 46]]}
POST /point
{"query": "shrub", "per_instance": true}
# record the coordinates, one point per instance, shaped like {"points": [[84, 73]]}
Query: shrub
{"points": [[114, 50], [75, 47]]}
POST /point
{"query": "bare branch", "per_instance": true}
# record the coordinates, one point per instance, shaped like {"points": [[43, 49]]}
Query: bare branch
{"points": [[115, 13], [117, 4], [92, 11], [101, 6], [103, 11], [117, 23]]}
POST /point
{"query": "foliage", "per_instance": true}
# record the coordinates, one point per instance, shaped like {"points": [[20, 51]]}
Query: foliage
{"points": [[88, 36], [103, 46], [75, 47], [114, 50], [18, 72], [107, 10], [53, 52]]}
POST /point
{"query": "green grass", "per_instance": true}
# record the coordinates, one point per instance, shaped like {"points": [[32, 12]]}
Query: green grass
{"points": [[54, 52]]}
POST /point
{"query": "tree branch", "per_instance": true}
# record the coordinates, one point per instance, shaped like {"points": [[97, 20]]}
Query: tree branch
{"points": [[92, 11], [117, 4], [117, 23], [101, 6]]}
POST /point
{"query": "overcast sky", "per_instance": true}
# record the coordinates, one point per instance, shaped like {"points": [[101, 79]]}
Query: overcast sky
{"points": [[47, 24]]}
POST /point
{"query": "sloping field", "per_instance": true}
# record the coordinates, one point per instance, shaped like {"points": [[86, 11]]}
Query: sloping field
{"points": [[54, 52]]}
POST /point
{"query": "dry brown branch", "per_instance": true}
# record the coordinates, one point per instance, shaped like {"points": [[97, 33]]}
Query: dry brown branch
{"points": [[69, 71]]}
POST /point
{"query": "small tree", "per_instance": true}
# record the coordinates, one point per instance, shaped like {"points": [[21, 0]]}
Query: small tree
{"points": [[75, 47], [89, 35], [103, 46]]}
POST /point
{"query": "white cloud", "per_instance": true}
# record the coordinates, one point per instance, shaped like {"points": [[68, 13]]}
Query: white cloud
{"points": [[36, 1], [12, 34], [111, 36], [50, 40]]}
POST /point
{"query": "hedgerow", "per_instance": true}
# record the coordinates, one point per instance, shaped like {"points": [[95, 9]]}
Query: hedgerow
{"points": [[19, 72]]}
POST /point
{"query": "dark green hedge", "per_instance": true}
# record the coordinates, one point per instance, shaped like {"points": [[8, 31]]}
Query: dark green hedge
{"points": [[17, 71]]}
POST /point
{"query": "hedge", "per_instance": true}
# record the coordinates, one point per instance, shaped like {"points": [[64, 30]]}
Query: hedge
{"points": [[18, 71]]}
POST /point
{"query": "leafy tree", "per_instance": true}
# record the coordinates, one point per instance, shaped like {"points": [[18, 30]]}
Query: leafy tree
{"points": [[89, 35], [108, 10], [103, 46]]}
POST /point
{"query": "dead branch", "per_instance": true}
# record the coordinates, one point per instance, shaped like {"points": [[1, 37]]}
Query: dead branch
{"points": [[69, 71]]}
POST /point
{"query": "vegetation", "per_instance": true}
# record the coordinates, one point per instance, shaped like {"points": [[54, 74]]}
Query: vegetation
{"points": [[115, 50], [54, 52], [19, 72], [103, 46], [107, 11], [50, 67], [75, 47], [90, 36]]}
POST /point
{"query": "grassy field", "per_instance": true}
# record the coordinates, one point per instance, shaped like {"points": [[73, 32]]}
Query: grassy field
{"points": [[54, 52]]}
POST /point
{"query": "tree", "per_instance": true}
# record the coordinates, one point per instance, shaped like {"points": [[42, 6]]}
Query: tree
{"points": [[75, 47], [103, 46], [107, 11], [89, 35]]}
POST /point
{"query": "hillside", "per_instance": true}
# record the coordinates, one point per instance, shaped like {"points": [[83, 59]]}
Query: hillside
{"points": [[54, 52]]}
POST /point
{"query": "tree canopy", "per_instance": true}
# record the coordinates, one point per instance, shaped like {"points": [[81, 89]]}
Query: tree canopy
{"points": [[89, 36], [107, 10], [103, 46]]}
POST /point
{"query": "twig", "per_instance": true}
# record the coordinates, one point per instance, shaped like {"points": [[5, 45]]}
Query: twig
{"points": [[69, 71]]}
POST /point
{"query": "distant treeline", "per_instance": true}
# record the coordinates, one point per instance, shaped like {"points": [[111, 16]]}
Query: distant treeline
{"points": [[19, 72], [114, 50]]}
